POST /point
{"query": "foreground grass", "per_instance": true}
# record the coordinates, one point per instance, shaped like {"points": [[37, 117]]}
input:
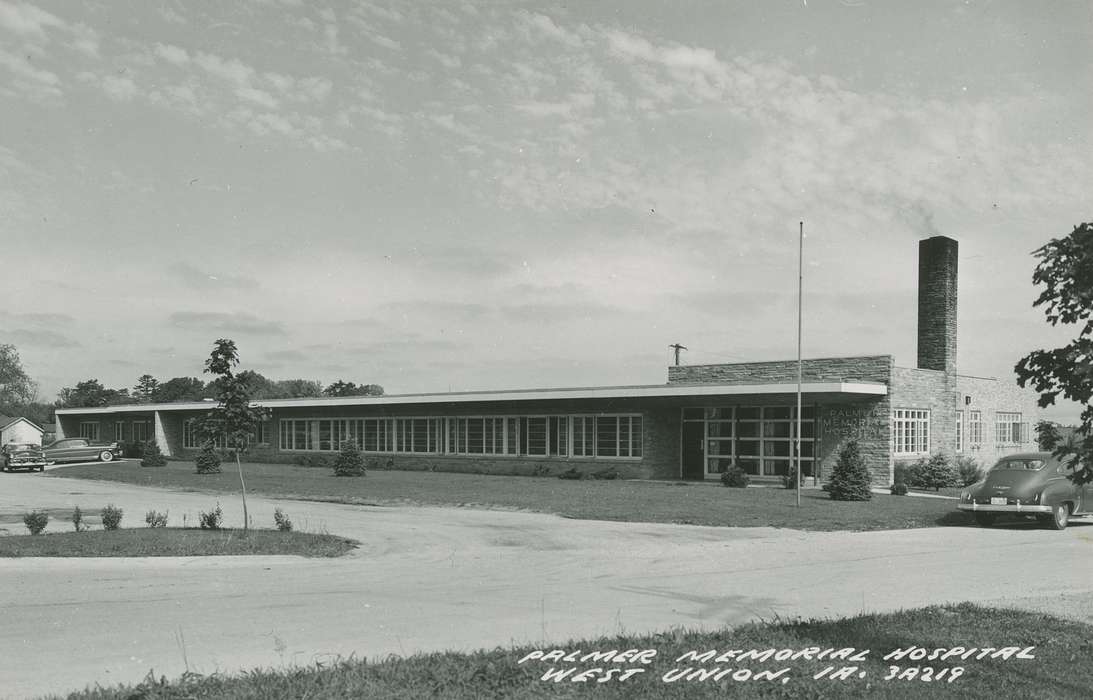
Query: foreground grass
{"points": [[173, 542], [1060, 668], [636, 501]]}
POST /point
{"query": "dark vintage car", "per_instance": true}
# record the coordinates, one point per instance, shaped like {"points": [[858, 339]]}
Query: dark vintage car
{"points": [[23, 456], [1032, 484], [81, 450]]}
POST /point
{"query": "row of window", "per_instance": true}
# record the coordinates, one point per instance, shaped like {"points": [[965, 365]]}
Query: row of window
{"points": [[911, 430], [606, 436]]}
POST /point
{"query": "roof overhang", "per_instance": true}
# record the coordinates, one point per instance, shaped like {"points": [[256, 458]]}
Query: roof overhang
{"points": [[845, 389]]}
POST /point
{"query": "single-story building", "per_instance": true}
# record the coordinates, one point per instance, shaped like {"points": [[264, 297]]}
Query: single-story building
{"points": [[704, 418], [19, 430]]}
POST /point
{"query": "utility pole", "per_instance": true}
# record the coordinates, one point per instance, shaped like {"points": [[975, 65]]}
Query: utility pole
{"points": [[677, 347]]}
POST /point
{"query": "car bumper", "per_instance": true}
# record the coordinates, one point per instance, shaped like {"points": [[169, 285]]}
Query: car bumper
{"points": [[1015, 508]]}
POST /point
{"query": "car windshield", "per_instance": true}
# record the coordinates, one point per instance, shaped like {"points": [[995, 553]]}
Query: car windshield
{"points": [[1034, 465]]}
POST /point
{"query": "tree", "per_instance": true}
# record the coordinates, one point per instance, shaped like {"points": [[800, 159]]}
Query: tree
{"points": [[1047, 435], [15, 386], [850, 479], [233, 420], [1066, 271], [179, 389], [90, 393], [297, 388], [146, 388], [343, 388]]}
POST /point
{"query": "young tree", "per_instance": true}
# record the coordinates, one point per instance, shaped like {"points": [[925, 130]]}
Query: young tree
{"points": [[850, 479], [15, 386], [1066, 271], [146, 388], [233, 420], [1047, 435]]}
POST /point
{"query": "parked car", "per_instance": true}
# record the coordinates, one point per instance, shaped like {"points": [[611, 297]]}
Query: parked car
{"points": [[81, 450], [1032, 484], [23, 456]]}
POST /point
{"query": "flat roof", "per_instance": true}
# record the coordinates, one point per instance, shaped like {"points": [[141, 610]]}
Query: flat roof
{"points": [[616, 392]]}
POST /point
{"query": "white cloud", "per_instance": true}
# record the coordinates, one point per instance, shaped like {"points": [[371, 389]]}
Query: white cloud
{"points": [[120, 88], [173, 54], [231, 69], [27, 20]]}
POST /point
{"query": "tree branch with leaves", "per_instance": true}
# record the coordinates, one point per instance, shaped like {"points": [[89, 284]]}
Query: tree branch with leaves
{"points": [[1066, 272]]}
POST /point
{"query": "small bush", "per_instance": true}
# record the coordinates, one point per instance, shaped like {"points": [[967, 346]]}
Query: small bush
{"points": [[850, 479], [151, 455], [906, 473], [573, 473], [134, 450], [281, 520], [36, 521], [212, 519], [540, 470], [207, 461], [77, 520], [899, 489], [935, 473], [735, 477], [609, 473], [155, 519], [968, 469], [350, 461], [111, 517], [789, 479], [315, 461]]}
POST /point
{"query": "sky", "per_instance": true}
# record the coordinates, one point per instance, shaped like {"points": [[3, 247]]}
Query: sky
{"points": [[437, 196]]}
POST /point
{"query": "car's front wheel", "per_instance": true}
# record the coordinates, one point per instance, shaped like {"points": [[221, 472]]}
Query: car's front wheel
{"points": [[106, 456], [984, 519], [1060, 516]]}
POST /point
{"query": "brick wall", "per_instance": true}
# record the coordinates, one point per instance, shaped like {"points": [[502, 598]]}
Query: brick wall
{"points": [[868, 368], [989, 396], [927, 389], [869, 424], [937, 286]]}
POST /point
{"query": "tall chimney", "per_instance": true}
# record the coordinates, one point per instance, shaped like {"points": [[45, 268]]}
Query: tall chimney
{"points": [[937, 303]]}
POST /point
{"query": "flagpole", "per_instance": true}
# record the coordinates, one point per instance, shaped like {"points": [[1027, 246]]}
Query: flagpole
{"points": [[800, 296]]}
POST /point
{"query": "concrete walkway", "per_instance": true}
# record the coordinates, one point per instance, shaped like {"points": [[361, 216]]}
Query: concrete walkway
{"points": [[458, 579]]}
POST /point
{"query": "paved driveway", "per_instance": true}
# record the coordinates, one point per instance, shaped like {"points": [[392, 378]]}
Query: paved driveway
{"points": [[450, 578]]}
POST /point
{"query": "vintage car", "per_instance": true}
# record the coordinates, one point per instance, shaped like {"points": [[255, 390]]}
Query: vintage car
{"points": [[1033, 484], [23, 456], [81, 450]]}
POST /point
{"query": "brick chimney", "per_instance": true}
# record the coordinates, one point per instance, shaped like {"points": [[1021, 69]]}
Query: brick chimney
{"points": [[937, 303]]}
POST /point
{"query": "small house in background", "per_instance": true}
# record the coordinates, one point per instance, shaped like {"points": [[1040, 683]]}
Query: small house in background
{"points": [[19, 430]]}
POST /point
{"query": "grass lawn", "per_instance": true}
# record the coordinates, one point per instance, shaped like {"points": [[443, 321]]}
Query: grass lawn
{"points": [[639, 501], [173, 542], [1060, 668]]}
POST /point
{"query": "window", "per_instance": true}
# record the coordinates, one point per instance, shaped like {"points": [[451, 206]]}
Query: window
{"points": [[960, 431], [975, 429], [1008, 428], [142, 430], [119, 431], [192, 438], [910, 431], [90, 430]]}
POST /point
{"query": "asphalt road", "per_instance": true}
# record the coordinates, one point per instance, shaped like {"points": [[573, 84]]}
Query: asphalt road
{"points": [[429, 579]]}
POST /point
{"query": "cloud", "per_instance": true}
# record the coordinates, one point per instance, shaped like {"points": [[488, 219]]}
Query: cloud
{"points": [[119, 88], [38, 319], [200, 278], [238, 322], [290, 355], [172, 54], [231, 70], [26, 20], [35, 83], [40, 338]]}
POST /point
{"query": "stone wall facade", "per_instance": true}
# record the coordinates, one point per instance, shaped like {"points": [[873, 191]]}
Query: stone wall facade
{"points": [[867, 368]]}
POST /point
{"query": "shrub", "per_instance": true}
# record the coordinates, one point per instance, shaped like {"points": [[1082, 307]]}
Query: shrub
{"points": [[111, 517], [609, 473], [899, 489], [208, 461], [36, 521], [734, 477], [151, 456], [281, 520], [134, 450], [850, 479], [540, 470], [906, 473], [573, 473], [968, 470], [936, 472], [789, 479], [77, 520], [315, 461], [212, 519], [155, 519], [350, 461]]}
